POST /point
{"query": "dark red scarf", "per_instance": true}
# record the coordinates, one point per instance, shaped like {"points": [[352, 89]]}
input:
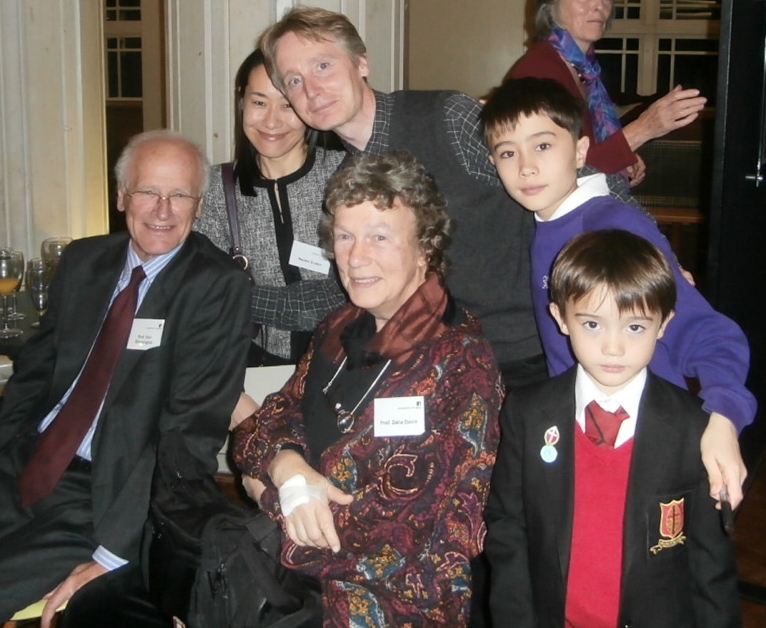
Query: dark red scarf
{"points": [[419, 319]]}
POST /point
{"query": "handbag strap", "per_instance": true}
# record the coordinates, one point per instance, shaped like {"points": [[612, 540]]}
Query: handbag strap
{"points": [[227, 177]]}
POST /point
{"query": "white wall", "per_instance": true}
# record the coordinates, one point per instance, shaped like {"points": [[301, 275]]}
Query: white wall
{"points": [[463, 44], [52, 147], [208, 39]]}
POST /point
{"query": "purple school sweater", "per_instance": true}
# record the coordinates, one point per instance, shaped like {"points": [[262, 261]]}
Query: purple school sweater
{"points": [[698, 342]]}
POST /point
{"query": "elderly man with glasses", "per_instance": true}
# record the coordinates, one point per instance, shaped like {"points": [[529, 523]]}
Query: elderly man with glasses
{"points": [[146, 333]]}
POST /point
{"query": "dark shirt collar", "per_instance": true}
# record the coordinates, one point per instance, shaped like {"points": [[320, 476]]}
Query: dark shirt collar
{"points": [[247, 185]]}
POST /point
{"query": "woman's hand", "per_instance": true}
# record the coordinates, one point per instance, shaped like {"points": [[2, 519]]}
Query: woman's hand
{"points": [[674, 110], [637, 171], [244, 409], [722, 458], [311, 524]]}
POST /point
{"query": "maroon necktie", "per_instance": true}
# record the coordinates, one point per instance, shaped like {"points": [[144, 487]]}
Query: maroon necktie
{"points": [[601, 426], [57, 445]]}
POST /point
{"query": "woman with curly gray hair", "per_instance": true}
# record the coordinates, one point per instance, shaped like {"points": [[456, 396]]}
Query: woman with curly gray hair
{"points": [[377, 453], [391, 181]]}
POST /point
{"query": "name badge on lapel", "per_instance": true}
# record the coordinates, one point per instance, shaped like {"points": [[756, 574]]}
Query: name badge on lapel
{"points": [[400, 416], [146, 333], [309, 257]]}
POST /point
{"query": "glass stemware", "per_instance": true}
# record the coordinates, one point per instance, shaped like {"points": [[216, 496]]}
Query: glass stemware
{"points": [[52, 248], [38, 280], [13, 310], [10, 261]]}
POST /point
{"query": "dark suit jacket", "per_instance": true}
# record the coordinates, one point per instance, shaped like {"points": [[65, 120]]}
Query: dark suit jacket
{"points": [[542, 61], [189, 383], [530, 509]]}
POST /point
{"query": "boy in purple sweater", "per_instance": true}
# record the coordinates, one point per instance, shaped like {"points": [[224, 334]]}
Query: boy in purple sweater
{"points": [[532, 128]]}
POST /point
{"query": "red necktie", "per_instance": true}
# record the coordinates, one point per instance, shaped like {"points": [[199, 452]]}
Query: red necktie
{"points": [[57, 445], [601, 426]]}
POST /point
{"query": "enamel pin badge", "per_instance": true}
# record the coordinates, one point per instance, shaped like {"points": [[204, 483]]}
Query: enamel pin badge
{"points": [[548, 453]]}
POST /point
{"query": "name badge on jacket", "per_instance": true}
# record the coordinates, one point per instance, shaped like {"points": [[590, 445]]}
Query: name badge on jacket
{"points": [[309, 257], [400, 416], [145, 333]]}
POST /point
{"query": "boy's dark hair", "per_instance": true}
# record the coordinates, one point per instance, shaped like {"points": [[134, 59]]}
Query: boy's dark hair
{"points": [[515, 98], [632, 269]]}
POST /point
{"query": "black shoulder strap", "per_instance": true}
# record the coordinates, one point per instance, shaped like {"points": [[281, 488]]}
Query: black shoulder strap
{"points": [[227, 177]]}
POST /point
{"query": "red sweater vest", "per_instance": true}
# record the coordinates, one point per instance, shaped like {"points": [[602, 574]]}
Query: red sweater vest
{"points": [[595, 561]]}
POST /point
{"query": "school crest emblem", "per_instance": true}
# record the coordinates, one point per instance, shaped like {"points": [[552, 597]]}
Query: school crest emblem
{"points": [[671, 526], [548, 453], [551, 436]]}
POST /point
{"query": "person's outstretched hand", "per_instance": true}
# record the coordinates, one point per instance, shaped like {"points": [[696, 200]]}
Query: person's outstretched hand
{"points": [[310, 524], [674, 110]]}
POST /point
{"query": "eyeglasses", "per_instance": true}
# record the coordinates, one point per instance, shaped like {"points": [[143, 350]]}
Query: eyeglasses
{"points": [[146, 199]]}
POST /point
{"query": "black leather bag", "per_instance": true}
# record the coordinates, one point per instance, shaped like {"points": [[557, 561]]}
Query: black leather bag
{"points": [[215, 564]]}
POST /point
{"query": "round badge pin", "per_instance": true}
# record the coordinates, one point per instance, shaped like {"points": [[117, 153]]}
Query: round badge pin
{"points": [[548, 453]]}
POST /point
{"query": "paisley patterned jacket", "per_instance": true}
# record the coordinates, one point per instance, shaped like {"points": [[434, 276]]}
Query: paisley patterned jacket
{"points": [[416, 520]]}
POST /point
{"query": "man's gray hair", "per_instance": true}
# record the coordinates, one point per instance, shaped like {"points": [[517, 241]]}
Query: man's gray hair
{"points": [[123, 166]]}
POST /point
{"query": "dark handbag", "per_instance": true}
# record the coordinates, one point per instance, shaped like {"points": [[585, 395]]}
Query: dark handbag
{"points": [[215, 564], [227, 178]]}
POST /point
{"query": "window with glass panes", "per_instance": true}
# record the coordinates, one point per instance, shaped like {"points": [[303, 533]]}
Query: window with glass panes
{"points": [[653, 45], [123, 10], [123, 49]]}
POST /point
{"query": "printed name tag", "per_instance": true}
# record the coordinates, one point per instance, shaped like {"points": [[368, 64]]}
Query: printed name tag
{"points": [[309, 257], [400, 416], [146, 333]]}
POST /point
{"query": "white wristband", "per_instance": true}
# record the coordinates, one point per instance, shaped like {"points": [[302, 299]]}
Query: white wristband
{"points": [[296, 491]]}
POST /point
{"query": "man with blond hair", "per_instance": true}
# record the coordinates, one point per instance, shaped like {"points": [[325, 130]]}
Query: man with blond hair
{"points": [[317, 58]]}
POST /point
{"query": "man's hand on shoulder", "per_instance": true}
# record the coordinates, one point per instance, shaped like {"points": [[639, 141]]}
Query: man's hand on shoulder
{"points": [[80, 576]]}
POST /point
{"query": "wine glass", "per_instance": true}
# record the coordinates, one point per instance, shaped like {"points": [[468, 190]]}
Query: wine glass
{"points": [[52, 248], [9, 276], [39, 275], [13, 311]]}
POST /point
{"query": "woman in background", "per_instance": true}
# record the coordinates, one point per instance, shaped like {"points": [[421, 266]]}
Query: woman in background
{"points": [[279, 181], [566, 32]]}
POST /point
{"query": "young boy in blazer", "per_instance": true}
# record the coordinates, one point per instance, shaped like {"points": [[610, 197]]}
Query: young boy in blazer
{"points": [[599, 513]]}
